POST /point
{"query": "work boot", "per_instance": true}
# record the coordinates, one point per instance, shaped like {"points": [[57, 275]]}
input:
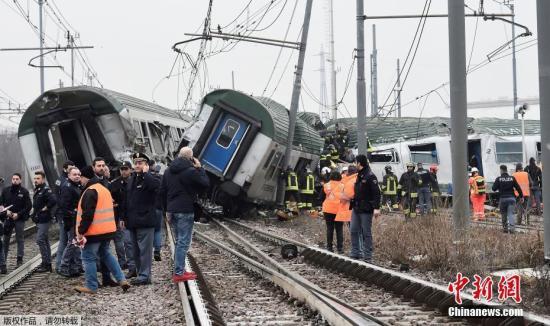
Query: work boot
{"points": [[124, 285], [3, 269], [19, 261], [44, 268], [157, 256], [83, 289], [109, 282], [138, 282], [64, 273], [131, 274]]}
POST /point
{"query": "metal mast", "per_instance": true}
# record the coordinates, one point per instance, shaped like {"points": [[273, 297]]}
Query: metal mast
{"points": [[334, 100], [361, 88], [324, 113], [374, 75], [40, 5]]}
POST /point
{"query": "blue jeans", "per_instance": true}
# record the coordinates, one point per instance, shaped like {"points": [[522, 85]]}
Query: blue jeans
{"points": [[506, 206], [70, 260], [90, 254], [62, 243], [425, 200], [183, 226], [536, 194], [361, 235], [157, 241]]}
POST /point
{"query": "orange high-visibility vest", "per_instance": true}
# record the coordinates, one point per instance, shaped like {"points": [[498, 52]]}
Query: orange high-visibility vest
{"points": [[348, 190], [523, 180], [332, 199], [477, 185], [104, 215]]}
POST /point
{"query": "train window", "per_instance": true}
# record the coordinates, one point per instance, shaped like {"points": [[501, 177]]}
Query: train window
{"points": [[384, 156], [273, 166], [143, 136], [156, 135], [229, 130], [279, 167], [266, 164], [509, 152], [425, 153], [539, 152]]}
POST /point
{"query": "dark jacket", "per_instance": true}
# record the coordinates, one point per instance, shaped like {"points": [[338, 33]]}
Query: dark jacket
{"points": [[139, 203], [435, 183], [424, 178], [68, 203], [158, 198], [43, 202], [505, 185], [409, 182], [180, 186], [59, 183], [89, 203], [367, 192], [20, 199], [118, 191], [535, 173]]}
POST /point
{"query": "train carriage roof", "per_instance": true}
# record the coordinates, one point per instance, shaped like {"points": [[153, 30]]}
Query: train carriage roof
{"points": [[274, 118], [389, 130], [101, 100]]}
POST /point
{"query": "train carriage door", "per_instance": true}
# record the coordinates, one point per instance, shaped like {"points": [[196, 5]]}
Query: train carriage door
{"points": [[224, 143], [475, 155]]}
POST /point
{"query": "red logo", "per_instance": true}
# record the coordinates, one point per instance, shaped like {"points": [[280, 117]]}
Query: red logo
{"points": [[509, 287]]}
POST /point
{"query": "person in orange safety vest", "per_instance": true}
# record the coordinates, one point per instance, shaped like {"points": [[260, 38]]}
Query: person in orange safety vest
{"points": [[347, 193], [331, 204], [525, 183], [477, 194]]}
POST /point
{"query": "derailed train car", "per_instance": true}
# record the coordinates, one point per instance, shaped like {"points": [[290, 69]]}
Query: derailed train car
{"points": [[241, 141], [80, 123]]}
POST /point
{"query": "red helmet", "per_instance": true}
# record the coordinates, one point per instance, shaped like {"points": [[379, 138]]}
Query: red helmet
{"points": [[433, 168]]}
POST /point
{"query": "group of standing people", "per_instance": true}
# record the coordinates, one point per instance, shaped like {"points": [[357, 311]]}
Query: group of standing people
{"points": [[93, 210]]}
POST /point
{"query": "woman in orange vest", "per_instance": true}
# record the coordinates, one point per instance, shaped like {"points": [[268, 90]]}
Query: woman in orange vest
{"points": [[525, 183], [477, 194], [331, 204], [347, 193], [95, 228]]}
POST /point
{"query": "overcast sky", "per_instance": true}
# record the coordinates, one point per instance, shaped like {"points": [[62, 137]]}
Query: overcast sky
{"points": [[133, 54]]}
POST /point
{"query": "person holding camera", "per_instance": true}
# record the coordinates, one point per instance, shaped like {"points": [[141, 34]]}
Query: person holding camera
{"points": [[181, 184]]}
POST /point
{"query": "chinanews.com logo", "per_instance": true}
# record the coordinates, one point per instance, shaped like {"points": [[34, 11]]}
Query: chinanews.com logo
{"points": [[508, 289]]}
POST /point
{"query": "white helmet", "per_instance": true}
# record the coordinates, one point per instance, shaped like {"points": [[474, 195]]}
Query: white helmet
{"points": [[474, 170], [325, 170]]}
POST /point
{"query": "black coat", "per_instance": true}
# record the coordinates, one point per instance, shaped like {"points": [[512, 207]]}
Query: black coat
{"points": [[20, 199], [505, 185], [139, 203], [68, 203], [181, 184], [118, 192], [43, 202], [367, 192]]}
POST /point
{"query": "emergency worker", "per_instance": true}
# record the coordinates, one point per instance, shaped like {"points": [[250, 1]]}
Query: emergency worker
{"points": [[95, 228], [43, 203], [477, 194], [123, 242], [507, 185], [389, 188], [331, 203], [292, 191], [334, 154], [307, 190], [434, 187], [524, 182], [424, 190], [347, 192], [535, 173], [408, 187]]}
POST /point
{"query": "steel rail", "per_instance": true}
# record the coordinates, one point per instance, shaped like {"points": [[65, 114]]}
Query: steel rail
{"points": [[432, 294], [335, 310], [194, 309]]}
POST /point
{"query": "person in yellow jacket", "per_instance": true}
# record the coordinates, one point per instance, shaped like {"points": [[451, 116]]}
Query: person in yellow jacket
{"points": [[331, 204], [95, 228], [347, 192]]}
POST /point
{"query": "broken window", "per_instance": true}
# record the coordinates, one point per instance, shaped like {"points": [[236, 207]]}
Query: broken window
{"points": [[509, 152], [384, 156], [142, 137], [228, 132], [266, 164], [156, 136], [273, 166], [425, 153]]}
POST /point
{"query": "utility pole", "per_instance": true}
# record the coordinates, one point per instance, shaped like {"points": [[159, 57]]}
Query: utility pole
{"points": [[361, 88], [514, 71], [324, 113], [459, 136], [543, 27], [398, 90], [295, 101], [333, 95], [233, 79], [374, 74], [41, 36], [70, 45]]}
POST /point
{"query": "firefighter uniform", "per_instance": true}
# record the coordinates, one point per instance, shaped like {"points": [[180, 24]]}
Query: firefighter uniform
{"points": [[436, 193], [334, 155], [292, 191], [477, 195], [307, 189], [389, 189], [408, 185]]}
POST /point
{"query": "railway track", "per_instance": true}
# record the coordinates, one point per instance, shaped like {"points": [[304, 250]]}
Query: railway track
{"points": [[405, 287]]}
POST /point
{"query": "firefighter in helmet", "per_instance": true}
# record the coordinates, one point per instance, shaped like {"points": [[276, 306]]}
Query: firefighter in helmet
{"points": [[408, 186], [389, 188]]}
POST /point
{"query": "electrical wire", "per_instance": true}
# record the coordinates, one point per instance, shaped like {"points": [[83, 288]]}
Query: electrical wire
{"points": [[274, 20]]}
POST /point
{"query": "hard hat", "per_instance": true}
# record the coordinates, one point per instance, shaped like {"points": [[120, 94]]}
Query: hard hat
{"points": [[410, 165], [325, 170], [433, 167], [474, 170], [344, 169], [387, 168]]}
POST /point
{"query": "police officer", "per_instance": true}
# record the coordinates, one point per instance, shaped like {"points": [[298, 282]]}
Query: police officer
{"points": [[140, 216], [67, 203], [43, 202], [19, 199], [307, 189], [408, 186], [389, 188], [157, 239], [123, 247], [59, 218], [505, 185], [292, 194]]}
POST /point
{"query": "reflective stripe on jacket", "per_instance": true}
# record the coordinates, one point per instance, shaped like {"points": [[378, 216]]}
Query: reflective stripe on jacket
{"points": [[104, 214], [309, 186], [292, 181]]}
